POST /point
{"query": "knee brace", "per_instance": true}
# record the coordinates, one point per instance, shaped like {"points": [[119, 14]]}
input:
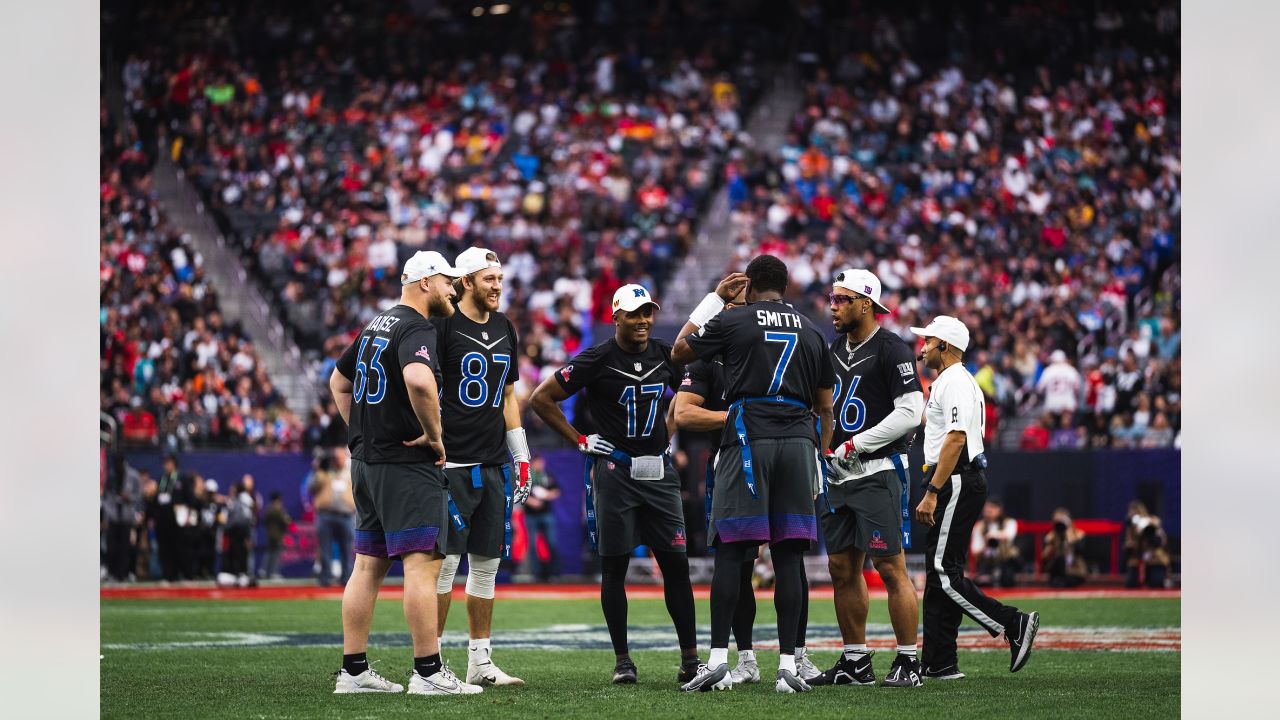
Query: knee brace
{"points": [[483, 575], [448, 569]]}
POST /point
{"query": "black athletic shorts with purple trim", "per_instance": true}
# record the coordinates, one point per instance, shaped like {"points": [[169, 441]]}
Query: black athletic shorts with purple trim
{"points": [[786, 474], [400, 508]]}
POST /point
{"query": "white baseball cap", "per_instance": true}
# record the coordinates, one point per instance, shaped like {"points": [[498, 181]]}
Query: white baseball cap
{"points": [[632, 297], [426, 263], [475, 259], [863, 282], [948, 329], [1057, 356]]}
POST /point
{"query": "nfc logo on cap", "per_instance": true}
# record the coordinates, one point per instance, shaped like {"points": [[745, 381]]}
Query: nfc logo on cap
{"points": [[639, 292]]}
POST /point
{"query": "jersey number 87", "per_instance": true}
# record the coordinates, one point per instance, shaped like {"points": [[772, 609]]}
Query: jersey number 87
{"points": [[474, 389]]}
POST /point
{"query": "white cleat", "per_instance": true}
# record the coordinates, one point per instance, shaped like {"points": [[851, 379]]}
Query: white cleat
{"points": [[805, 669], [788, 682], [368, 681], [709, 678], [747, 670], [443, 682], [484, 672]]}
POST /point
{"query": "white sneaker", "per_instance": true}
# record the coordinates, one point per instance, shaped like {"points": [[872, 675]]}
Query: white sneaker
{"points": [[483, 672], [443, 682], [368, 681], [747, 670], [805, 669]]}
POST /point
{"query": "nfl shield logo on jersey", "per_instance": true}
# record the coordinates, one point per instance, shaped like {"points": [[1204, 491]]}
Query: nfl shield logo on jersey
{"points": [[638, 368], [484, 335]]}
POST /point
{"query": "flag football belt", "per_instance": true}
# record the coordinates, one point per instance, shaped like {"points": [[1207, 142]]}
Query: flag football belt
{"points": [[622, 459], [901, 468], [740, 429], [461, 525]]}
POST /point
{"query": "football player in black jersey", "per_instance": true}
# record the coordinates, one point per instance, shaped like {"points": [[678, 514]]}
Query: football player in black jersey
{"points": [[477, 352], [386, 386], [878, 402], [700, 407], [769, 470], [633, 492]]}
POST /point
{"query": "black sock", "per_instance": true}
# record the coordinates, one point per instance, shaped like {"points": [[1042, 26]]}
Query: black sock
{"points": [[355, 663], [788, 565], [744, 615], [613, 599], [427, 666], [804, 605], [725, 584], [678, 592]]}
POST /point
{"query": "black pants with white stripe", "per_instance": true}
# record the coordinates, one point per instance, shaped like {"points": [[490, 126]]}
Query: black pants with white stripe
{"points": [[948, 594]]}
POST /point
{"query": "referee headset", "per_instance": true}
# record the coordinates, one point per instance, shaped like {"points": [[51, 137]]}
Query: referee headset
{"points": [[941, 347]]}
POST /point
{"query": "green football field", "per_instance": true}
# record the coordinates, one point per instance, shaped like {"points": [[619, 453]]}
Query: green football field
{"points": [[1096, 658]]}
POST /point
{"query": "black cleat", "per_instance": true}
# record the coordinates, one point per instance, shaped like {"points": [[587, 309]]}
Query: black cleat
{"points": [[688, 669], [1020, 644], [849, 672], [950, 672], [905, 672], [624, 673]]}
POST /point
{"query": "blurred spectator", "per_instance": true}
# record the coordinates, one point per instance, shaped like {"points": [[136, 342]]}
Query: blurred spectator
{"points": [[277, 522], [540, 521], [120, 506], [335, 505], [1062, 555], [1060, 383], [992, 545], [171, 488], [1036, 435], [1146, 548], [238, 537]]}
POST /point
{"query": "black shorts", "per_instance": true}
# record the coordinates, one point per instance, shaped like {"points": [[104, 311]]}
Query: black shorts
{"points": [[400, 508], [630, 513], [867, 515], [482, 509], [786, 475]]}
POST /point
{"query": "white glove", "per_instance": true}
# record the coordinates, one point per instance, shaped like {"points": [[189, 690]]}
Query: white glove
{"points": [[594, 445], [846, 460]]}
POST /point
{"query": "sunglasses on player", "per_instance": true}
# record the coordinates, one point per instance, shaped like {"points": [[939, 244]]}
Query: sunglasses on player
{"points": [[838, 300]]}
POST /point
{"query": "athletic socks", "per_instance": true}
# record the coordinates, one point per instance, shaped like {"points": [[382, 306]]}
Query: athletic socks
{"points": [[427, 666], [613, 599], [788, 663], [355, 663], [718, 657], [853, 652], [478, 649], [908, 650]]}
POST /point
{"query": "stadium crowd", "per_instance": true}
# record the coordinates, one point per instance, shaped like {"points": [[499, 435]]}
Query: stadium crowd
{"points": [[172, 371], [1037, 201], [583, 165]]}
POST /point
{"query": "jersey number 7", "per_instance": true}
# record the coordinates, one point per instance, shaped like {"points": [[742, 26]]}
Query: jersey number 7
{"points": [[788, 340]]}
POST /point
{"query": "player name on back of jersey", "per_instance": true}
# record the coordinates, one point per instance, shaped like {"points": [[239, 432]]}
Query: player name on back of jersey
{"points": [[776, 318], [382, 323]]}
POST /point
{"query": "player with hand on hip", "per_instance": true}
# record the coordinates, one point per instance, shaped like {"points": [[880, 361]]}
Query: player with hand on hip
{"points": [[878, 401], [477, 352], [779, 376], [633, 492], [386, 387], [955, 491]]}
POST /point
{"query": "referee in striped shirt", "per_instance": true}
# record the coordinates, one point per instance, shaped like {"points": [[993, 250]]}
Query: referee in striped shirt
{"points": [[955, 490]]}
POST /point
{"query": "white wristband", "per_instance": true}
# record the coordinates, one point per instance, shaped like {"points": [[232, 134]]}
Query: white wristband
{"points": [[710, 306], [517, 444]]}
